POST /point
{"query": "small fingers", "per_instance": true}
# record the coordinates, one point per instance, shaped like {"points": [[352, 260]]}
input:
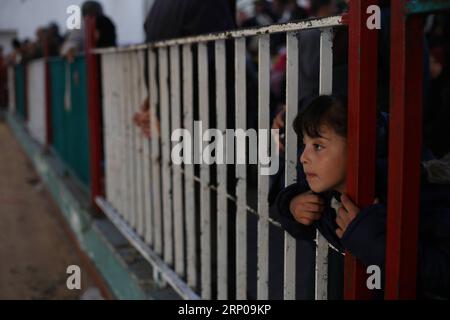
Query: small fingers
{"points": [[313, 207]]}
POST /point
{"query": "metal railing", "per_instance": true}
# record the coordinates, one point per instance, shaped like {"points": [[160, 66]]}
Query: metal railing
{"points": [[189, 221], [153, 201]]}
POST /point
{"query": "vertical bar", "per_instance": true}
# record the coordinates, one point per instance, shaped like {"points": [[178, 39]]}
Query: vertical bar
{"points": [[135, 147], [105, 76], [205, 198], [189, 183], [222, 201], [11, 90], [363, 45], [404, 153], [263, 180], [175, 90], [325, 87], [155, 152], [241, 175], [128, 143], [165, 146], [116, 131], [48, 95], [123, 76], [139, 139], [131, 107], [291, 157], [148, 209], [95, 143]]}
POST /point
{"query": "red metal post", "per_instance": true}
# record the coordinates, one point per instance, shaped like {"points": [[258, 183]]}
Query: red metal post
{"points": [[48, 103], [363, 49], [404, 152], [94, 112]]}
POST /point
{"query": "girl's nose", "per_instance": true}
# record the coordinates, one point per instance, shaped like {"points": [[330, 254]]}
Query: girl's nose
{"points": [[304, 156]]}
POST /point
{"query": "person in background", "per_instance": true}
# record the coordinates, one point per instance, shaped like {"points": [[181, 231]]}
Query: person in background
{"points": [[319, 200], [309, 66], [180, 18], [105, 31], [55, 40], [15, 56]]}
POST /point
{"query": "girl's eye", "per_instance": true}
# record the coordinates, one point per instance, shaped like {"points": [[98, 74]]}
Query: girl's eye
{"points": [[318, 147]]}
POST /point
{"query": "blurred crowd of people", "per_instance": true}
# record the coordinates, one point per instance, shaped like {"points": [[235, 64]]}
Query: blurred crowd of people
{"points": [[50, 42], [200, 16]]}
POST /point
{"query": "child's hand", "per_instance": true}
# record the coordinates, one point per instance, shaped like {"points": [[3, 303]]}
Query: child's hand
{"points": [[345, 215], [306, 208]]}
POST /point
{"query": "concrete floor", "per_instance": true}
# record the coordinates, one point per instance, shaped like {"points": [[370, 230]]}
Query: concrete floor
{"points": [[34, 250]]}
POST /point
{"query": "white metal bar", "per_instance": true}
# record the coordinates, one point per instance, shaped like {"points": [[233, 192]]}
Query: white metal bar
{"points": [[263, 180], [36, 115], [325, 87], [155, 152], [116, 131], [11, 90], [138, 140], [291, 158], [165, 146], [241, 175], [189, 183], [133, 143], [147, 189], [175, 91], [117, 96], [222, 201], [205, 198], [334, 21], [105, 70], [123, 131], [128, 136], [144, 150]]}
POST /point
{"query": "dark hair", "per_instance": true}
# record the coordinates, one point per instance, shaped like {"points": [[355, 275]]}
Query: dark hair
{"points": [[316, 5], [323, 110], [15, 43], [91, 8]]}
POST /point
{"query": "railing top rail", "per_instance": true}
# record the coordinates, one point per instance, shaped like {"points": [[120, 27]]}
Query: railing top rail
{"points": [[314, 23], [426, 6]]}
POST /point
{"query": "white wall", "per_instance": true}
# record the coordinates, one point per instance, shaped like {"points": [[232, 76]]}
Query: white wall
{"points": [[26, 16]]}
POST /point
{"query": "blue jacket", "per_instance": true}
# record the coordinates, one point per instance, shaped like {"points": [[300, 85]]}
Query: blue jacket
{"points": [[365, 237]]}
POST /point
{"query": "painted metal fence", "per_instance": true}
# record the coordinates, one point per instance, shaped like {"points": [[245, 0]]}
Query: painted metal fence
{"points": [[161, 206], [69, 115], [20, 90], [178, 216]]}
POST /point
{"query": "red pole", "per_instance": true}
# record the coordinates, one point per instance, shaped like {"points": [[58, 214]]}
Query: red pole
{"points": [[48, 103], [404, 152], [363, 49], [95, 142]]}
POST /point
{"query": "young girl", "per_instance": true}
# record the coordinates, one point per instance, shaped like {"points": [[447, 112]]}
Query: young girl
{"points": [[319, 200]]}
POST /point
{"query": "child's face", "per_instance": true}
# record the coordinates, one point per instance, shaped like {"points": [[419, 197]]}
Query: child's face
{"points": [[324, 161]]}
